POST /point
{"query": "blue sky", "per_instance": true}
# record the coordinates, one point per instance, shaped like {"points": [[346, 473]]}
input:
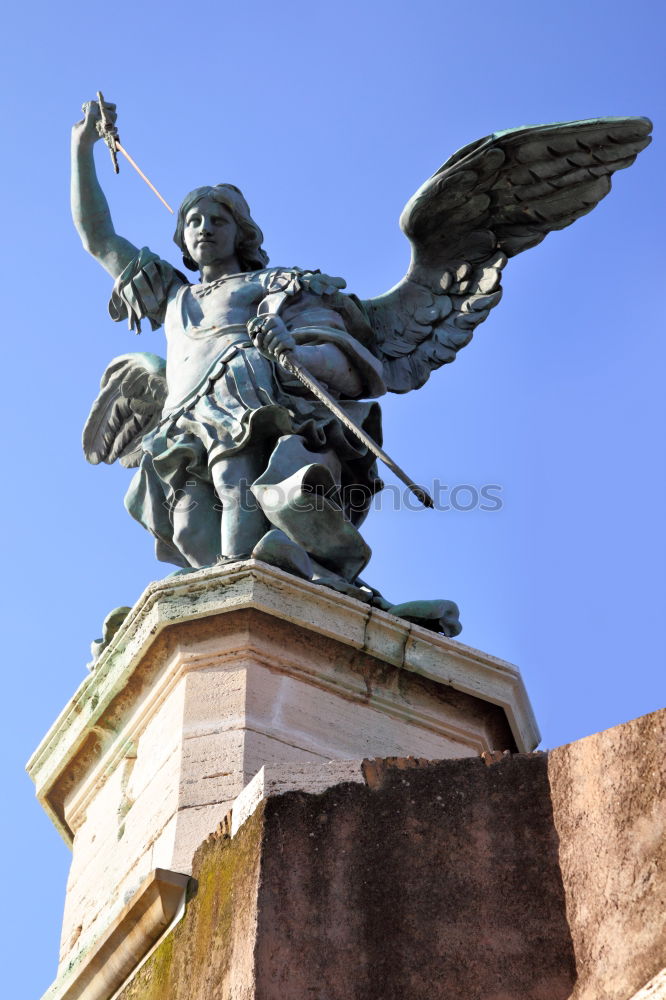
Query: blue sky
{"points": [[329, 117]]}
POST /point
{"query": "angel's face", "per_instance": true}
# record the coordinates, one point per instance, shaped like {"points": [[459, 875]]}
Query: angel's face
{"points": [[210, 233]]}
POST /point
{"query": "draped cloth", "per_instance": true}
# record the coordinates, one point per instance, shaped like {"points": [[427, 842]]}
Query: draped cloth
{"points": [[241, 400]]}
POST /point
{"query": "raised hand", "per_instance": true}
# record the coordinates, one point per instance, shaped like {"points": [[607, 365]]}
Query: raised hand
{"points": [[87, 128], [90, 209]]}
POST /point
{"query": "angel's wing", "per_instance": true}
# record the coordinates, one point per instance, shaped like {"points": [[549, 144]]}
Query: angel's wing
{"points": [[132, 393], [491, 200]]}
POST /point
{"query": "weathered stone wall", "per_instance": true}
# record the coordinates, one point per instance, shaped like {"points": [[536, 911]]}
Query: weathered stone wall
{"points": [[432, 889], [609, 803], [532, 878], [210, 954]]}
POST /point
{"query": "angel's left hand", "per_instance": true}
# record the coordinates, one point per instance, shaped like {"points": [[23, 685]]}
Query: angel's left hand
{"points": [[270, 336]]}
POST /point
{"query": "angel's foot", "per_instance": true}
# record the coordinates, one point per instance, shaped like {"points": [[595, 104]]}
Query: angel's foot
{"points": [[226, 560], [375, 598], [111, 624], [277, 549], [440, 616]]}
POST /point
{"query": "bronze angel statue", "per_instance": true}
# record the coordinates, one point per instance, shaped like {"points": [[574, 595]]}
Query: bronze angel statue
{"points": [[234, 457]]}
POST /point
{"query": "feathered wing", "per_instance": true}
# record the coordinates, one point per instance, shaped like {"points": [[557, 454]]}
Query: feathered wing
{"points": [[491, 200], [132, 394]]}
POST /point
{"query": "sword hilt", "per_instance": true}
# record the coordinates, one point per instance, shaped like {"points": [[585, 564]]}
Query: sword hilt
{"points": [[108, 132]]}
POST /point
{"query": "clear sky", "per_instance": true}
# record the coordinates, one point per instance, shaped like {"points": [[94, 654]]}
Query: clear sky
{"points": [[329, 117]]}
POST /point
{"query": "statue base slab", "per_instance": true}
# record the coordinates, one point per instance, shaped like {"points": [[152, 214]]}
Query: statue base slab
{"points": [[215, 674]]}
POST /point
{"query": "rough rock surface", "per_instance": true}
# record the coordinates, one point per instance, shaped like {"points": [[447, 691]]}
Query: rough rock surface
{"points": [[609, 802], [525, 877]]}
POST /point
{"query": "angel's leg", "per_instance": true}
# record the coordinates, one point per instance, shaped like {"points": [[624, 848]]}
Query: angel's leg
{"points": [[243, 521], [196, 523]]}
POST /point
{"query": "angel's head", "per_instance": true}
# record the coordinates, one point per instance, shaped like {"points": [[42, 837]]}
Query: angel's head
{"points": [[247, 235]]}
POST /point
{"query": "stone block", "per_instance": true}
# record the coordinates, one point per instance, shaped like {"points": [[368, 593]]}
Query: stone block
{"points": [[488, 879], [217, 673], [440, 881], [609, 805]]}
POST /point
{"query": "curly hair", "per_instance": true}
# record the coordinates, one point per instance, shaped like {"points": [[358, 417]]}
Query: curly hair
{"points": [[250, 253]]}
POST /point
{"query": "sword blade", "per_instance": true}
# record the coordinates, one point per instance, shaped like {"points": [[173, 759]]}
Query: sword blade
{"points": [[141, 174], [294, 368]]}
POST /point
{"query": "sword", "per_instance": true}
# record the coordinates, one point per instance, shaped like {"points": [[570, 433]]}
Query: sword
{"points": [[280, 290], [109, 133], [290, 364]]}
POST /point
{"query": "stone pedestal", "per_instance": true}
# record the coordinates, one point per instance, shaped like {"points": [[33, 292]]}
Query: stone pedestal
{"points": [[217, 673]]}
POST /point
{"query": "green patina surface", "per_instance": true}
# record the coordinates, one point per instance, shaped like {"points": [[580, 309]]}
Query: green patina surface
{"points": [[201, 954], [274, 373]]}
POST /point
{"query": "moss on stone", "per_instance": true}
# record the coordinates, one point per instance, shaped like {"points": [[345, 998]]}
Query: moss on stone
{"points": [[214, 940]]}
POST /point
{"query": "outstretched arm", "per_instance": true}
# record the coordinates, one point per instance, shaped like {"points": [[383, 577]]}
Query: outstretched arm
{"points": [[90, 209]]}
